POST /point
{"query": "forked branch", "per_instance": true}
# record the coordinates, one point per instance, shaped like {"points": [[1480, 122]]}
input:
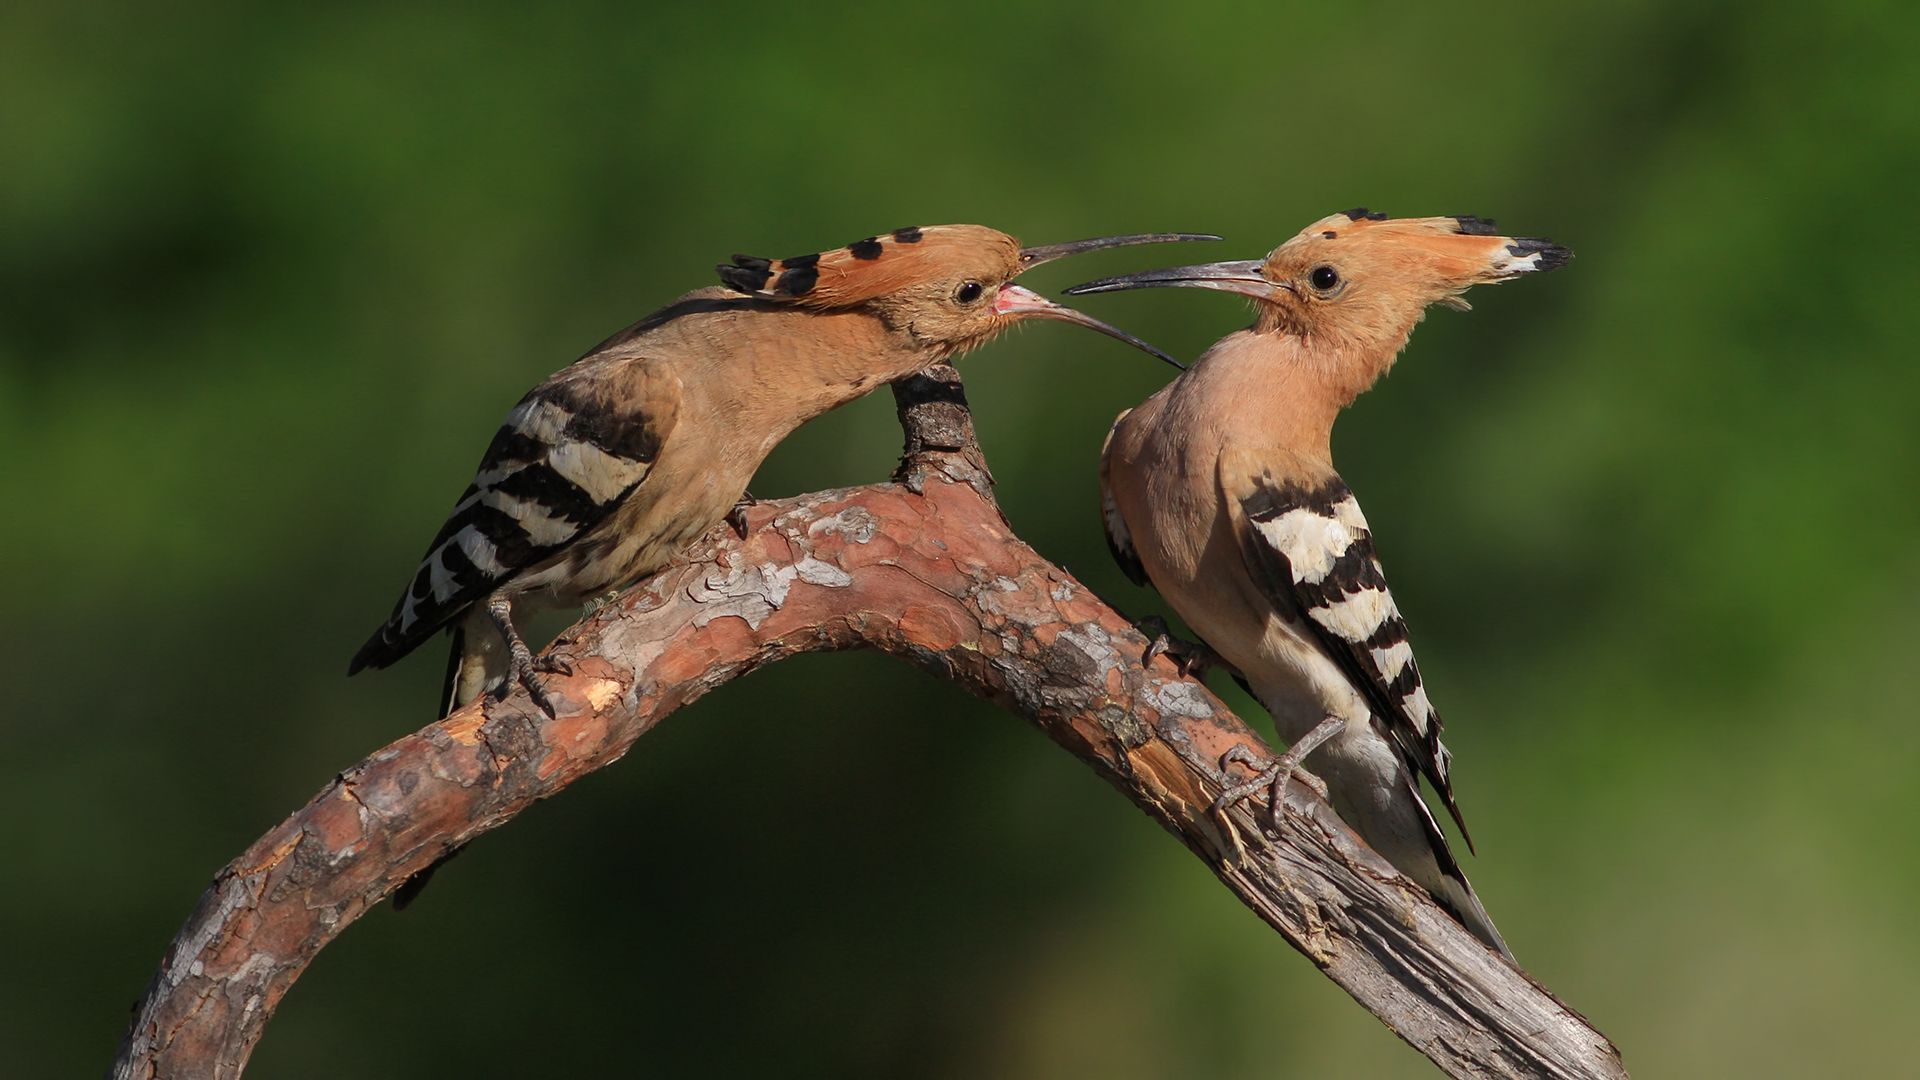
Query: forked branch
{"points": [[926, 569]]}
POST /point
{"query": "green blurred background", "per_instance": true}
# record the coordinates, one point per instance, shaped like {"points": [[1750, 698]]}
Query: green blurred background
{"points": [[269, 279]]}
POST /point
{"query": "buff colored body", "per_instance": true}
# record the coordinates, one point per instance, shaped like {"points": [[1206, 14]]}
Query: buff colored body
{"points": [[749, 391], [1220, 490], [608, 469]]}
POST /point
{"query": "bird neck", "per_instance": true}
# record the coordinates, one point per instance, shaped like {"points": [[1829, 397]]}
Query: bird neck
{"points": [[1283, 389], [804, 364]]}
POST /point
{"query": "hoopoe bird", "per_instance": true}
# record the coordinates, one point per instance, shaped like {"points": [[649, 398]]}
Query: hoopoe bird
{"points": [[1220, 491], [606, 470]]}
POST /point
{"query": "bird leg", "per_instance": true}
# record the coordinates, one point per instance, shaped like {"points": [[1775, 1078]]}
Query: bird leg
{"points": [[737, 517], [522, 666], [1194, 658], [1275, 776]]}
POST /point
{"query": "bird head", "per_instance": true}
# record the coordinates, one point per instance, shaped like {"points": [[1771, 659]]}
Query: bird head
{"points": [[950, 287], [1360, 280]]}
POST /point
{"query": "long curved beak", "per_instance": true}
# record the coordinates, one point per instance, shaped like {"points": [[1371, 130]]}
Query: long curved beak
{"points": [[1238, 277], [1024, 303], [1034, 256]]}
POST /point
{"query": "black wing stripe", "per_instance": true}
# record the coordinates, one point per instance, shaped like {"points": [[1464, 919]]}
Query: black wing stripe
{"points": [[1120, 541], [1437, 840], [556, 497], [624, 435], [517, 514], [510, 447], [492, 539], [605, 478], [1119, 538], [567, 455], [515, 518], [467, 560], [1405, 683]]}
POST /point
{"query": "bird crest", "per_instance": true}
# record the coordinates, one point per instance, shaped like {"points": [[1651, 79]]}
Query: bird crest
{"points": [[1453, 252], [1360, 274], [877, 266]]}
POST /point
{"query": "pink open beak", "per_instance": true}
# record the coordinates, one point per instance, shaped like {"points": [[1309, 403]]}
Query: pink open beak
{"points": [[1022, 303]]}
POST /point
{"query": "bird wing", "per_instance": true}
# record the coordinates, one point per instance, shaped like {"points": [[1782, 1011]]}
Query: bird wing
{"points": [[1311, 552], [1119, 540], [565, 458]]}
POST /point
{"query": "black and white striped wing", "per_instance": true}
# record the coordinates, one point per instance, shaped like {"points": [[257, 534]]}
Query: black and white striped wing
{"points": [[566, 457], [1313, 555]]}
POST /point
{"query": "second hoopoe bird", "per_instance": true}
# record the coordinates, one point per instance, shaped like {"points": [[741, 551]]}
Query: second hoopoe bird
{"points": [[1220, 490], [615, 463]]}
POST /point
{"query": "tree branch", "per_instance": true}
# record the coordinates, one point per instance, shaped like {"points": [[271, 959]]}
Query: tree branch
{"points": [[925, 569]]}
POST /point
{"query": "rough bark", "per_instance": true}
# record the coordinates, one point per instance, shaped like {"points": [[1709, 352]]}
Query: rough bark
{"points": [[926, 569]]}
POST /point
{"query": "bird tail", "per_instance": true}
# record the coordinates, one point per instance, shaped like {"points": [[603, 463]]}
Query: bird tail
{"points": [[1464, 905], [1384, 806], [477, 662], [450, 688], [1449, 887]]}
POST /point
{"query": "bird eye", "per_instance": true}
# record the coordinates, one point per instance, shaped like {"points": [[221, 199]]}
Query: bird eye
{"points": [[970, 292], [1323, 277]]}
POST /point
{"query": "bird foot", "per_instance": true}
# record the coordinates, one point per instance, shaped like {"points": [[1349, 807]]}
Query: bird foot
{"points": [[737, 517], [1192, 658], [523, 668], [1273, 779]]}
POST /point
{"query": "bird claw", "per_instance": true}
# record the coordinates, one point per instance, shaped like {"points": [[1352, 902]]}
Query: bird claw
{"points": [[524, 669], [537, 690], [1273, 779], [1192, 658], [737, 517]]}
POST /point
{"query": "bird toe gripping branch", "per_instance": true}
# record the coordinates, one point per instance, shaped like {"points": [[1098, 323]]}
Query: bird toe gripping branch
{"points": [[1192, 658], [1273, 779]]}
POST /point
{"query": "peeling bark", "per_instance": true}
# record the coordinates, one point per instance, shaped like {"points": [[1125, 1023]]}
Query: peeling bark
{"points": [[926, 569]]}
